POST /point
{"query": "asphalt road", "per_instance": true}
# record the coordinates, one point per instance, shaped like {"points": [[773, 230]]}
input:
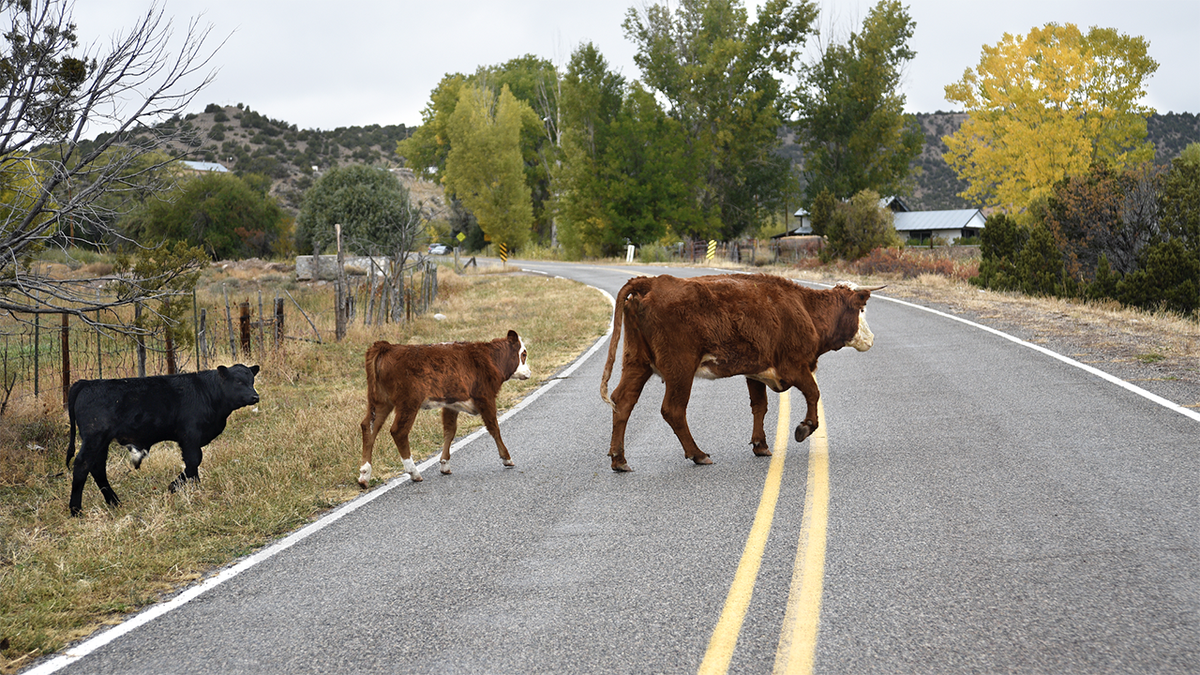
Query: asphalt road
{"points": [[990, 509]]}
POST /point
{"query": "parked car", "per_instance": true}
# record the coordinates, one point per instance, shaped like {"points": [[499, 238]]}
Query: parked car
{"points": [[438, 249]]}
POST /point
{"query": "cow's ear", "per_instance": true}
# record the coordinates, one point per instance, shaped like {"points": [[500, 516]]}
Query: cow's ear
{"points": [[222, 371], [512, 335], [254, 369]]}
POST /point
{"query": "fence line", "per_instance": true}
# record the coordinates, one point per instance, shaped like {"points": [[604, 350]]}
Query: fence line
{"points": [[40, 357]]}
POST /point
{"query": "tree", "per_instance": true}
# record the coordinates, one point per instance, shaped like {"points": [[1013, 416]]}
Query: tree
{"points": [[217, 212], [1104, 213], [1000, 242], [851, 122], [1046, 106], [1179, 199], [627, 176], [858, 227], [370, 204], [54, 94], [719, 75], [484, 167]]}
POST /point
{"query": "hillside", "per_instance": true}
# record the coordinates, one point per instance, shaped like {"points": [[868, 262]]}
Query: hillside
{"points": [[245, 141]]}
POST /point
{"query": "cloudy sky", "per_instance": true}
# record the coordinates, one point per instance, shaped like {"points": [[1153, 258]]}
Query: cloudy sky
{"points": [[321, 65]]}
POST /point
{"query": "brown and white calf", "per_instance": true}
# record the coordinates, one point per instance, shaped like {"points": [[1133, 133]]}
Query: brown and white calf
{"points": [[769, 329], [454, 376]]}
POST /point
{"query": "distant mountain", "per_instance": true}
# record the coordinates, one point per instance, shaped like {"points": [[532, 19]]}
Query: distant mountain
{"points": [[247, 142], [244, 141]]}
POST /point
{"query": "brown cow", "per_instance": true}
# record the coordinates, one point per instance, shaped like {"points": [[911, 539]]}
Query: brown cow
{"points": [[454, 376], [769, 329]]}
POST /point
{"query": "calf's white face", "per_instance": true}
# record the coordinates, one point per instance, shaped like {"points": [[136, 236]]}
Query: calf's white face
{"points": [[523, 372]]}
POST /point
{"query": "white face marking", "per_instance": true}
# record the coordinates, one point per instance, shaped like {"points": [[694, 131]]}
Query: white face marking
{"points": [[523, 372], [864, 338]]}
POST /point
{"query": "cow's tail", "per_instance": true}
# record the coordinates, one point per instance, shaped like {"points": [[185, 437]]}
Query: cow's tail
{"points": [[635, 286], [373, 353], [71, 396]]}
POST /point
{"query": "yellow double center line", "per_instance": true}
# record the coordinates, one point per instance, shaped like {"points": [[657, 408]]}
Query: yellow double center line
{"points": [[798, 641]]}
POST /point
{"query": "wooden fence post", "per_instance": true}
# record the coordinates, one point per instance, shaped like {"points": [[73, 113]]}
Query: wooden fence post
{"points": [[141, 341], [66, 357], [172, 368], [244, 326], [278, 321], [202, 341]]}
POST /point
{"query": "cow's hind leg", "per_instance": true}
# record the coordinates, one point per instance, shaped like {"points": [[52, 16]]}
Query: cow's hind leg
{"points": [[449, 428], [488, 413], [758, 408], [91, 461], [674, 411], [403, 424], [372, 424], [633, 379]]}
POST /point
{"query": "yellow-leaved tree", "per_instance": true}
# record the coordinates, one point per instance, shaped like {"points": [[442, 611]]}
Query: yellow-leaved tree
{"points": [[484, 167], [1048, 105]]}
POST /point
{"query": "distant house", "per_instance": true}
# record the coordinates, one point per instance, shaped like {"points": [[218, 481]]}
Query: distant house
{"points": [[948, 225], [204, 167]]}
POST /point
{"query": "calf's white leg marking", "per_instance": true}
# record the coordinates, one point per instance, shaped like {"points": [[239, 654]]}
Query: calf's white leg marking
{"points": [[410, 468], [364, 474]]}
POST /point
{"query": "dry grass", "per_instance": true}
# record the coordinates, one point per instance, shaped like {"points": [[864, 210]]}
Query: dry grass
{"points": [[275, 468]]}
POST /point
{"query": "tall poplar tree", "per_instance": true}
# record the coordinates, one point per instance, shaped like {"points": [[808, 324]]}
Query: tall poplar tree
{"points": [[1046, 106], [719, 74], [484, 167], [850, 113]]}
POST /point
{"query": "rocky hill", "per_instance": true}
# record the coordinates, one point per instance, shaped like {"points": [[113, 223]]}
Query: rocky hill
{"points": [[245, 141]]}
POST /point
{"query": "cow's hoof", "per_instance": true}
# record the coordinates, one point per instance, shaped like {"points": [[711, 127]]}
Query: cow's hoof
{"points": [[508, 463], [363, 484], [761, 449], [621, 467], [416, 477], [445, 467], [703, 459], [802, 432]]}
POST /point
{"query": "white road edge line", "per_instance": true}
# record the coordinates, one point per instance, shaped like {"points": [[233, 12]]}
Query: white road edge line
{"points": [[1155, 398], [74, 653]]}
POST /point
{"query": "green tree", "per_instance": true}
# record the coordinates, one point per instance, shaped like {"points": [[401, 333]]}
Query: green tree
{"points": [[1179, 199], [484, 167], [851, 122], [1046, 106], [858, 227], [53, 180], [371, 205], [627, 176], [719, 74], [824, 205], [1167, 277], [1000, 242], [1039, 265], [217, 212]]}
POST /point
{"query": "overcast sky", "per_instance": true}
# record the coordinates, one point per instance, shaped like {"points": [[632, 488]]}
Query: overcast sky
{"points": [[322, 65]]}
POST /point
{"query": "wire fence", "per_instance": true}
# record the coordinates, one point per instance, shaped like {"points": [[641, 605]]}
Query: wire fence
{"points": [[41, 355]]}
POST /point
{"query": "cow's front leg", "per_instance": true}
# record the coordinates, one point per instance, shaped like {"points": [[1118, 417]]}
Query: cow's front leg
{"points": [[674, 411], [192, 456], [633, 379], [488, 413], [449, 428], [808, 386], [758, 408], [403, 424]]}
